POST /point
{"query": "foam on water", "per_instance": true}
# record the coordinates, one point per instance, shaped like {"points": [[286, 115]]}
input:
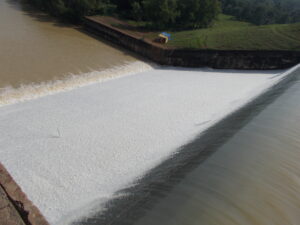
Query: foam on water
{"points": [[113, 133], [10, 95]]}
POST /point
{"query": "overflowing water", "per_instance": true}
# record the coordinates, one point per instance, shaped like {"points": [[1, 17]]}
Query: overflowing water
{"points": [[252, 179], [10, 95], [72, 152]]}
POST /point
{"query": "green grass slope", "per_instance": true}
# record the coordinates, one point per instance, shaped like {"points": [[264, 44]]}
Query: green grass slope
{"points": [[230, 34]]}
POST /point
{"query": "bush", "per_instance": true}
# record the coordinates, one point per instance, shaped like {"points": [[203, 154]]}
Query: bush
{"points": [[263, 11]]}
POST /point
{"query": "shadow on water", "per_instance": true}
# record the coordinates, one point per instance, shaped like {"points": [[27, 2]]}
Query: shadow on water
{"points": [[155, 185], [28, 10]]}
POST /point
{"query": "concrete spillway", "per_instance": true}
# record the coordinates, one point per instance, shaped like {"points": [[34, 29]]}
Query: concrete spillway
{"points": [[73, 149]]}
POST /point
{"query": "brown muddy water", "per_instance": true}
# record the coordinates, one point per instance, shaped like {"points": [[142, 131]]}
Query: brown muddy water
{"points": [[37, 48]]}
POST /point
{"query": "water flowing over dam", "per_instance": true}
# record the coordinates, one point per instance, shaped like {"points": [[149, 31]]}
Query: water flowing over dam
{"points": [[252, 179], [93, 135]]}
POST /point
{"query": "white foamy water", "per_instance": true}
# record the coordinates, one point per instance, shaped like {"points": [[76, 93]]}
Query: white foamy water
{"points": [[74, 149], [11, 95]]}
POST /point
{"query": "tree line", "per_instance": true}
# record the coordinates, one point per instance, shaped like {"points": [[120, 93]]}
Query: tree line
{"points": [[74, 10], [171, 13], [262, 12], [177, 14]]}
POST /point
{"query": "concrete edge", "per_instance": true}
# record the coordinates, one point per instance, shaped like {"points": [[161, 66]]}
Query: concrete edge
{"points": [[8, 213], [217, 59], [27, 210]]}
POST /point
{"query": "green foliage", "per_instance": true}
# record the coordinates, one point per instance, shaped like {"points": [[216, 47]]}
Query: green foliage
{"points": [[176, 14], [198, 13], [74, 10], [161, 13], [229, 34], [263, 11], [137, 11]]}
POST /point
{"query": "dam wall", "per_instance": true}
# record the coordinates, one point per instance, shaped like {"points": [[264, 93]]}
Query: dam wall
{"points": [[218, 59]]}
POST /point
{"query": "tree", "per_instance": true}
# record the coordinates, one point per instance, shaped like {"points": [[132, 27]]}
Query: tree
{"points": [[263, 11], [137, 11], [181, 14], [161, 13], [198, 13]]}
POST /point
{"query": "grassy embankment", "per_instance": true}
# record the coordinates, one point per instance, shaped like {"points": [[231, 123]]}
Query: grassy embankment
{"points": [[230, 34]]}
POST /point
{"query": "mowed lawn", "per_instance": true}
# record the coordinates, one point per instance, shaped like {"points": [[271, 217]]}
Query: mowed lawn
{"points": [[228, 33]]}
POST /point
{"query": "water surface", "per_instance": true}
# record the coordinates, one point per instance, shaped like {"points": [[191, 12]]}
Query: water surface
{"points": [[253, 179], [34, 47]]}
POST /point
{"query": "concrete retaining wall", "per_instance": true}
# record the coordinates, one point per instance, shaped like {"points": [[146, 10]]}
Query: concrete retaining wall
{"points": [[219, 59]]}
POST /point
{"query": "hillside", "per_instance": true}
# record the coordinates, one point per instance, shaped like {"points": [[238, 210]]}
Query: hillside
{"points": [[228, 33]]}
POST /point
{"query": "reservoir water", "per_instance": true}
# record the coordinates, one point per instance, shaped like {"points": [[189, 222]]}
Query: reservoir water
{"points": [[35, 48], [252, 179]]}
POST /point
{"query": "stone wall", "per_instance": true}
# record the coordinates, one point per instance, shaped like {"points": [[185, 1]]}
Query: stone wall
{"points": [[219, 59]]}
